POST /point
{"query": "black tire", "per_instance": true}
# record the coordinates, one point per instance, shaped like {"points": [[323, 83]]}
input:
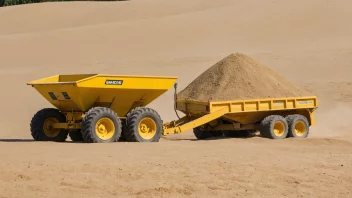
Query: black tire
{"points": [[201, 135], [216, 133], [92, 117], [232, 134], [134, 118], [123, 136], [267, 127], [76, 135], [238, 134], [38, 121], [292, 121]]}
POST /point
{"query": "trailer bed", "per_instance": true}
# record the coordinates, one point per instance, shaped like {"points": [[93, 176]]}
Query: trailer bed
{"points": [[242, 112]]}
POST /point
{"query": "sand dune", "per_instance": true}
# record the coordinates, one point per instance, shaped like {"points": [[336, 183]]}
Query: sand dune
{"points": [[307, 42]]}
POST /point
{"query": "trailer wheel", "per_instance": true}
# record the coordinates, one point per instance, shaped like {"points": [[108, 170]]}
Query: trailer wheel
{"points": [[143, 125], [298, 126], [101, 125], [201, 135], [243, 133], [216, 133], [76, 135], [274, 127], [41, 125]]}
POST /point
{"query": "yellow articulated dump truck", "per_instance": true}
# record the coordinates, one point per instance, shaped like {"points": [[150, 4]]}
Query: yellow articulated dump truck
{"points": [[97, 108]]}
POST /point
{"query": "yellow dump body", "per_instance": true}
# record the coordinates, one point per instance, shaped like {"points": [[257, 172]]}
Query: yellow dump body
{"points": [[243, 112], [78, 93]]}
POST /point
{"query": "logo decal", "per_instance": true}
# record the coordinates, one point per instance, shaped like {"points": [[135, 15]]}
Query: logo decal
{"points": [[305, 102], [113, 82]]}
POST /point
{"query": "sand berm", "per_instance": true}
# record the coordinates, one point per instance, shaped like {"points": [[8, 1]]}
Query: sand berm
{"points": [[237, 77]]}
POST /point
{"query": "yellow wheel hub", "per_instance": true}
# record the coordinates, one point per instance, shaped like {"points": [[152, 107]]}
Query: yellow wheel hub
{"points": [[105, 128], [147, 128], [48, 127], [300, 128], [279, 128]]}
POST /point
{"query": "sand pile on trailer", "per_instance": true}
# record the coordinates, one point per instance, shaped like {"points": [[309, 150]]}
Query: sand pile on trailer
{"points": [[236, 77]]}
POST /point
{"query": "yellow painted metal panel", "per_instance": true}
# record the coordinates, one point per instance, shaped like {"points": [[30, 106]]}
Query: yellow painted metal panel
{"points": [[54, 94], [250, 106], [59, 79], [74, 78], [128, 82], [312, 118], [193, 108], [250, 111], [196, 122], [83, 91], [247, 117], [50, 79], [237, 106]]}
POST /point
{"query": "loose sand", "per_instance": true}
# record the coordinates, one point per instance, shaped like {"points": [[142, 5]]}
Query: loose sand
{"points": [[238, 76], [309, 43]]}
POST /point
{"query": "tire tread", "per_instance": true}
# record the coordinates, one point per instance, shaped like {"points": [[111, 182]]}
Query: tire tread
{"points": [[36, 126], [266, 126], [132, 123], [87, 123], [293, 118]]}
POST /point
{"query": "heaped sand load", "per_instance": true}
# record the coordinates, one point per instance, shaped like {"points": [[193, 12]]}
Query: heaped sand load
{"points": [[238, 76]]}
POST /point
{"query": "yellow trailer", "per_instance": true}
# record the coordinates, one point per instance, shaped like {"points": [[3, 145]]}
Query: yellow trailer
{"points": [[275, 118], [107, 108]]}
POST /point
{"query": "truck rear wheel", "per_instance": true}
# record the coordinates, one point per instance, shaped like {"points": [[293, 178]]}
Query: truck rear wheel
{"points": [[298, 126], [124, 128], [274, 127], [101, 125], [143, 125], [41, 125]]}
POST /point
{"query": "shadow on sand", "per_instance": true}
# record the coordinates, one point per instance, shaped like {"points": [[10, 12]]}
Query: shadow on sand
{"points": [[210, 139], [16, 140], [162, 137], [31, 140]]}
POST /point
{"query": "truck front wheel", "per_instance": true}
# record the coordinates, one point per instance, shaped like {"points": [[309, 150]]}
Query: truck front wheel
{"points": [[41, 125]]}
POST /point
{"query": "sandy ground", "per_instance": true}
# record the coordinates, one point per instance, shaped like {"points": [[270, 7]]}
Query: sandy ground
{"points": [[308, 42]]}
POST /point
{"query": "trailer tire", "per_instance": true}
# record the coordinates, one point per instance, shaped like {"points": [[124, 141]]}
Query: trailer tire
{"points": [[274, 127], [40, 125], [143, 125], [201, 135], [76, 135], [298, 126], [101, 125], [239, 134], [216, 133], [232, 134]]}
